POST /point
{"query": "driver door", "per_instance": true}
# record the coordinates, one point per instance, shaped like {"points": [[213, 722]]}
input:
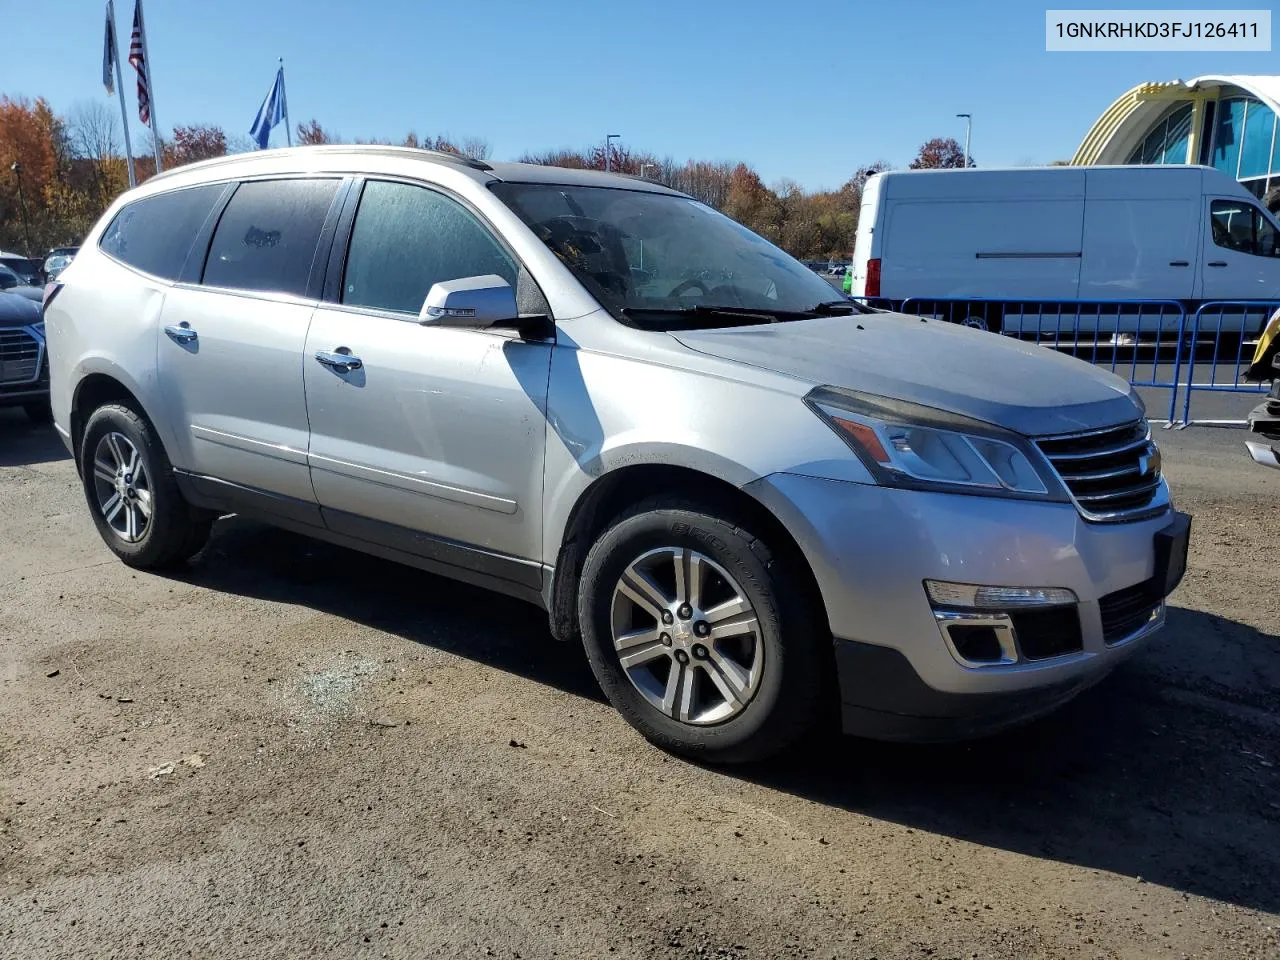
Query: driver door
{"points": [[434, 443], [1241, 260]]}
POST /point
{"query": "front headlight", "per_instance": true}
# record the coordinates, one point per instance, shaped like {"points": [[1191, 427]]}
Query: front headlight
{"points": [[907, 445]]}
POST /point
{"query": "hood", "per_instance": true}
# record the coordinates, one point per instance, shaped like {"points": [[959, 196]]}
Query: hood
{"points": [[34, 294], [1032, 390], [17, 311]]}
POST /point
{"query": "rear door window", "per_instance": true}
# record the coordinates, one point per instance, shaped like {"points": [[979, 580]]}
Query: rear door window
{"points": [[407, 238], [266, 239], [155, 234]]}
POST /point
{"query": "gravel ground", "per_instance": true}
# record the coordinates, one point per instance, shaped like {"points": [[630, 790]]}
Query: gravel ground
{"points": [[293, 750]]}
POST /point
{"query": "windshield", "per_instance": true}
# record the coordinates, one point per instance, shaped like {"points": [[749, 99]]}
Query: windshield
{"points": [[661, 261]]}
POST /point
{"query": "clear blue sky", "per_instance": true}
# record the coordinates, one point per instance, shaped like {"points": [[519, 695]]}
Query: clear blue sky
{"points": [[808, 91]]}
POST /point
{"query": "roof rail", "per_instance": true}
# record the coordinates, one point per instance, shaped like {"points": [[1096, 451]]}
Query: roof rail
{"points": [[372, 148]]}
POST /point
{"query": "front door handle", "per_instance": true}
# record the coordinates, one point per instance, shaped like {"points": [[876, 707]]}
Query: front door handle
{"points": [[1179, 263], [340, 360], [181, 332], [1217, 263]]}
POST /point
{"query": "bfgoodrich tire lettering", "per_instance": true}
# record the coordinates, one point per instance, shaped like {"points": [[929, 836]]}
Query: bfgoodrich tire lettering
{"points": [[754, 696], [132, 495]]}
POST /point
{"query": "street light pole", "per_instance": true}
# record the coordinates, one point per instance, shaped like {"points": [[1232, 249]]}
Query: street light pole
{"points": [[16, 167], [608, 139], [968, 130], [643, 168]]}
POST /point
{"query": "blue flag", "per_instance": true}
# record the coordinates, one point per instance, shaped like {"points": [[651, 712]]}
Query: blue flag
{"points": [[274, 109]]}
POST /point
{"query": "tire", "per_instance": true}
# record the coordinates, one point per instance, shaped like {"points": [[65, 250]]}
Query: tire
{"points": [[38, 411], [173, 531], [785, 699]]}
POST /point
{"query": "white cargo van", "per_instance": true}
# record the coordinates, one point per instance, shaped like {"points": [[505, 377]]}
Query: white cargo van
{"points": [[1002, 245]]}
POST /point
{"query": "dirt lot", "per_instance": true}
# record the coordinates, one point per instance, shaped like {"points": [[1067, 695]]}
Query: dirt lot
{"points": [[290, 750]]}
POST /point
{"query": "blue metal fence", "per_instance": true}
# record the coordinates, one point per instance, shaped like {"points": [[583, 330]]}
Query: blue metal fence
{"points": [[1227, 323], [1154, 344]]}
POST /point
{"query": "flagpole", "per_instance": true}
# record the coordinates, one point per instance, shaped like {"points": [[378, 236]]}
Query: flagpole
{"points": [[124, 114], [151, 83], [288, 130]]}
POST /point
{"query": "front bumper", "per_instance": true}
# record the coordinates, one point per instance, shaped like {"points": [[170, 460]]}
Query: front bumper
{"points": [[871, 548]]}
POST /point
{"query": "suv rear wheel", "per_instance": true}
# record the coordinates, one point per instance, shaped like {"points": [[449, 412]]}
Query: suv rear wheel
{"points": [[699, 636], [132, 494]]}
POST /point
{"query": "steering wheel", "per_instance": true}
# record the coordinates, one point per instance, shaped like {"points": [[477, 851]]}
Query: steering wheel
{"points": [[686, 285]]}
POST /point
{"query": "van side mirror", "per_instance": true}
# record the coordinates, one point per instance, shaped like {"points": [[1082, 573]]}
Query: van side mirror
{"points": [[7, 281], [475, 302]]}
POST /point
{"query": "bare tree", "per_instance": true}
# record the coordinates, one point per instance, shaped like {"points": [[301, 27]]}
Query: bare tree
{"points": [[94, 131], [477, 148], [94, 136]]}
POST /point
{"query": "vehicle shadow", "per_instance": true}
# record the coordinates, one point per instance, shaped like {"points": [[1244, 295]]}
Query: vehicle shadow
{"points": [[1156, 773], [23, 443], [252, 559], [1151, 774]]}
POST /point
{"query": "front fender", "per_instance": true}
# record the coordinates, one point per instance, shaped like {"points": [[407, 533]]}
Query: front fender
{"points": [[607, 412]]}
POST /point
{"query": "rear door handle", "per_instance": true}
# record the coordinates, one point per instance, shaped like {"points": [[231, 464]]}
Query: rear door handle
{"points": [[1217, 263], [181, 332], [1179, 263], [340, 360]]}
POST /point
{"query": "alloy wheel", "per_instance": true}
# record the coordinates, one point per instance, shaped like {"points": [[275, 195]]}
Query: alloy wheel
{"points": [[122, 487], [686, 636]]}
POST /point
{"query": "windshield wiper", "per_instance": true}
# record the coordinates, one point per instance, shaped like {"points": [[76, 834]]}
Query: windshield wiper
{"points": [[746, 314]]}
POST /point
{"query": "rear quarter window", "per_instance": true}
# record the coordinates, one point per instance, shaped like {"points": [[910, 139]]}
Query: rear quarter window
{"points": [[155, 234]]}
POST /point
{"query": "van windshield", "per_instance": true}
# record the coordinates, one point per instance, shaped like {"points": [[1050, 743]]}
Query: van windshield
{"points": [[666, 262]]}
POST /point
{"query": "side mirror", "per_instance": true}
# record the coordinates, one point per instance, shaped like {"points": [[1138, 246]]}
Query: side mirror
{"points": [[7, 281], [475, 302]]}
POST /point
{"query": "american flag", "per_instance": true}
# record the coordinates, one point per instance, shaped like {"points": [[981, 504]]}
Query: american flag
{"points": [[138, 60]]}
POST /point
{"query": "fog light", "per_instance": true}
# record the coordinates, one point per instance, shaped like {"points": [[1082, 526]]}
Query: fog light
{"points": [[974, 597]]}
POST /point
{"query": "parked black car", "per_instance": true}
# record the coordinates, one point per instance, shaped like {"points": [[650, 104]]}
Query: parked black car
{"points": [[24, 365], [10, 282], [30, 272]]}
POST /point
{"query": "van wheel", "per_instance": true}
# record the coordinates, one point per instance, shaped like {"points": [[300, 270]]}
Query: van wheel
{"points": [[700, 638], [132, 494]]}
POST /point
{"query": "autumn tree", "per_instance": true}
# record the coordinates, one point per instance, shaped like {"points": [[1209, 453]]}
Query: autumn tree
{"points": [[194, 143], [940, 153], [753, 204], [31, 136], [311, 133]]}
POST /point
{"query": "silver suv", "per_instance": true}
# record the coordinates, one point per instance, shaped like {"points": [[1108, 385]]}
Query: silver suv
{"points": [[753, 501]]}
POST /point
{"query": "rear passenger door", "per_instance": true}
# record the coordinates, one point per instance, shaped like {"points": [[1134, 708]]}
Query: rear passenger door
{"points": [[230, 348]]}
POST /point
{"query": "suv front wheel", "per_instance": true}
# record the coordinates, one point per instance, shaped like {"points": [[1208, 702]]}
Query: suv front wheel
{"points": [[132, 494], [699, 635]]}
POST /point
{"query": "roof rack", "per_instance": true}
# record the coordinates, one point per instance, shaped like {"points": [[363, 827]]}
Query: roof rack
{"points": [[374, 148]]}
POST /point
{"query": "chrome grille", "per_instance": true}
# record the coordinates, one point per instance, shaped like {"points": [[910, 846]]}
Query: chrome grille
{"points": [[19, 356], [1113, 475]]}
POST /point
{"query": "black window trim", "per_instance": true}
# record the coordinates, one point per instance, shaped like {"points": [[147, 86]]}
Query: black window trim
{"points": [[1258, 213], [335, 274], [315, 276]]}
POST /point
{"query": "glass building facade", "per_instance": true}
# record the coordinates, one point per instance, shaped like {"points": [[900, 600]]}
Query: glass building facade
{"points": [[1238, 138]]}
